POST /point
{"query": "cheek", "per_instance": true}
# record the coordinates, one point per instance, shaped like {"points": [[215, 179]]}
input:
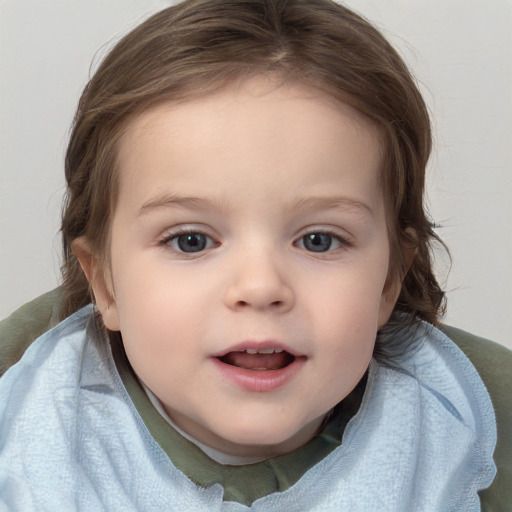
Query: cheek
{"points": [[155, 302], [351, 297], [145, 283], [150, 327], [349, 333], [347, 320]]}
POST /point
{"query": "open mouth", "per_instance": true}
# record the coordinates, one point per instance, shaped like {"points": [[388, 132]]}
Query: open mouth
{"points": [[259, 367], [265, 359]]}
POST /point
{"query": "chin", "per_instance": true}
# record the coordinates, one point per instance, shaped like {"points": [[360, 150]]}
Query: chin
{"points": [[268, 439]]}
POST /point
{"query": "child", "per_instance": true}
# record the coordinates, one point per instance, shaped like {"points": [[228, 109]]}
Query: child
{"points": [[245, 212]]}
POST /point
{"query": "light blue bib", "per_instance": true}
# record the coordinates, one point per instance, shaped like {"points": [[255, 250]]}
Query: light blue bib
{"points": [[71, 439]]}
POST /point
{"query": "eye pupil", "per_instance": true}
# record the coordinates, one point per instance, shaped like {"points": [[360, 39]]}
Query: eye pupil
{"points": [[317, 242], [192, 242]]}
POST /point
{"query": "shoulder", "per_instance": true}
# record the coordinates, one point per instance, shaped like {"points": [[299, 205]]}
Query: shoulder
{"points": [[493, 362], [489, 358], [26, 324]]}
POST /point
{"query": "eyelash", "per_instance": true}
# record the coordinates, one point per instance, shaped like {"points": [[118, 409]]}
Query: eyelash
{"points": [[170, 237], [344, 242]]}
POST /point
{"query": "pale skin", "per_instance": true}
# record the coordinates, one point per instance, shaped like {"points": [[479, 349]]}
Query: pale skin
{"points": [[253, 214]]}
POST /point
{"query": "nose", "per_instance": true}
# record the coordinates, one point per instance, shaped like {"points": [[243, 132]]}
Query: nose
{"points": [[257, 282]]}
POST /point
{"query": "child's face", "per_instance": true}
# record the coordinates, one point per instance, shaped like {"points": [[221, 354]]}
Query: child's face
{"points": [[249, 219]]}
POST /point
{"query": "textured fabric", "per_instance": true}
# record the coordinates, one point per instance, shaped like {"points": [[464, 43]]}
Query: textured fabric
{"points": [[493, 363], [71, 439]]}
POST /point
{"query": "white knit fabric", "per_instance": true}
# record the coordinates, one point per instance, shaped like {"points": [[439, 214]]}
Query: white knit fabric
{"points": [[71, 439]]}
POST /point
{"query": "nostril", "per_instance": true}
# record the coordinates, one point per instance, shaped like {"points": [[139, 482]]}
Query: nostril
{"points": [[273, 305], [259, 297]]}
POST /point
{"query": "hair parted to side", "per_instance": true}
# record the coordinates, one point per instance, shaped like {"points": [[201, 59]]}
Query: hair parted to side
{"points": [[197, 47]]}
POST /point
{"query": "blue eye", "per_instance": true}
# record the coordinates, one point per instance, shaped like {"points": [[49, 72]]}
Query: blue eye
{"points": [[319, 242], [190, 242]]}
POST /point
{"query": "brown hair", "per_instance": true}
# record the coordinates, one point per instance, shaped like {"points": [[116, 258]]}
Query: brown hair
{"points": [[198, 46]]}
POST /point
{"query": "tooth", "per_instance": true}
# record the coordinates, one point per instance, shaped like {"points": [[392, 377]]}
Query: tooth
{"points": [[266, 351], [251, 351], [278, 350]]}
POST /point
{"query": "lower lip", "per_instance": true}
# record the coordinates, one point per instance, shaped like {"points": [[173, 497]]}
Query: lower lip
{"points": [[260, 381]]}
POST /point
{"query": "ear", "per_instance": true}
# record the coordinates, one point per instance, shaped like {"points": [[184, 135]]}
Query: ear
{"points": [[99, 280], [393, 285]]}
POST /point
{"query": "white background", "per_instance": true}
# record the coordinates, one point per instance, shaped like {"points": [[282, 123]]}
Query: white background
{"points": [[460, 51]]}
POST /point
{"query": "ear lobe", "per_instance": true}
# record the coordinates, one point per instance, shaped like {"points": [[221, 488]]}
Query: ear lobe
{"points": [[388, 299], [99, 281], [393, 285]]}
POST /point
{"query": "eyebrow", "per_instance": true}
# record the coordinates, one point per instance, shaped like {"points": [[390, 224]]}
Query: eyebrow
{"points": [[307, 203], [329, 203], [176, 201]]}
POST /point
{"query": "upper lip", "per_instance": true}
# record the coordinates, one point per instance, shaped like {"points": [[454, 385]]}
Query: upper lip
{"points": [[258, 345]]}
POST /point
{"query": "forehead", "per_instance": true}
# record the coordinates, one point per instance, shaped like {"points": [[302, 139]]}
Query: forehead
{"points": [[251, 131]]}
